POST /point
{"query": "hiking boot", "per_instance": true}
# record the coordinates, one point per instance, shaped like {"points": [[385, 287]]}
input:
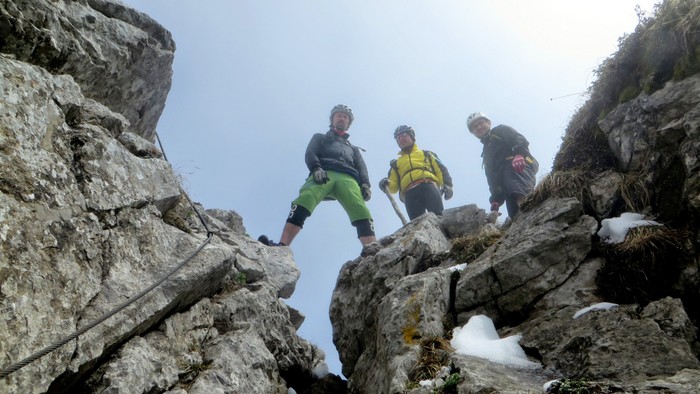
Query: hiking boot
{"points": [[506, 225], [267, 241], [370, 249]]}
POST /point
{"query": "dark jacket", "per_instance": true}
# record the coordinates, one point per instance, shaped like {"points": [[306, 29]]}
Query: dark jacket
{"points": [[500, 145], [335, 153]]}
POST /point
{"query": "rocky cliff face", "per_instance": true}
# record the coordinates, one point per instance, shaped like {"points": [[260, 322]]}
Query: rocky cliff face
{"points": [[91, 215], [633, 147]]}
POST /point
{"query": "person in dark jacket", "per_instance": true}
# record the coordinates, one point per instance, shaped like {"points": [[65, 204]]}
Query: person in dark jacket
{"points": [[418, 175], [510, 168], [337, 171]]}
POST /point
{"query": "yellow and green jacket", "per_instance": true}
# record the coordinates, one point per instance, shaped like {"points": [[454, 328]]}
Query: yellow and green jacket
{"points": [[415, 165]]}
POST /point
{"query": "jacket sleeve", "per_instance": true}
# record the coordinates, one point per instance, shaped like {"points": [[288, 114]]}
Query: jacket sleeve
{"points": [[312, 152], [496, 191], [444, 175], [497, 197], [361, 167], [393, 177], [519, 144]]}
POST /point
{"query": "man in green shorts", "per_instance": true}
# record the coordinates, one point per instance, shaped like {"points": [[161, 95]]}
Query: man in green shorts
{"points": [[337, 171]]}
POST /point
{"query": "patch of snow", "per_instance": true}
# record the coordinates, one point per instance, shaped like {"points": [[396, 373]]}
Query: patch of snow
{"points": [[479, 338], [615, 230], [599, 306]]}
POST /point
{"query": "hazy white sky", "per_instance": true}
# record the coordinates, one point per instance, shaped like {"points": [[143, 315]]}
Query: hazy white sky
{"points": [[253, 80]]}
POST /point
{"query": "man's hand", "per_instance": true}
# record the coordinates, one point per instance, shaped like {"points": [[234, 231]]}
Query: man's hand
{"points": [[384, 185], [447, 191], [518, 163], [366, 193], [320, 175]]}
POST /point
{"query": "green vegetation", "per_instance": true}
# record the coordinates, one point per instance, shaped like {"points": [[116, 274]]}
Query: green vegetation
{"points": [[571, 386], [665, 46], [240, 279], [450, 385], [628, 93], [233, 283]]}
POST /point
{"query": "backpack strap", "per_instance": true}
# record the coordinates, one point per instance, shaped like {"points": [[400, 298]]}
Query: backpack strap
{"points": [[428, 159], [395, 166]]}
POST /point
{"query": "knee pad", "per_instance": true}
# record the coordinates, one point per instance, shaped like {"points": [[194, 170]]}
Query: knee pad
{"points": [[297, 215], [365, 227]]}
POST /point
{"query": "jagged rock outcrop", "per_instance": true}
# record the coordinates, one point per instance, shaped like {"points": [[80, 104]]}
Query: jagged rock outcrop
{"points": [[120, 57], [527, 263], [91, 215], [632, 147], [531, 282], [659, 134]]}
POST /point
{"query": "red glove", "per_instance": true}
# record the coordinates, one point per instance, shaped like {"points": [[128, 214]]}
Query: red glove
{"points": [[494, 206], [518, 163]]}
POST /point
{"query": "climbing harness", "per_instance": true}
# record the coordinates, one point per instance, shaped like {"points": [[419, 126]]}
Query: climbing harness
{"points": [[14, 367]]}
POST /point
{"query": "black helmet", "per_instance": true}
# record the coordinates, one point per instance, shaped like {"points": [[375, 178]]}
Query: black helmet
{"points": [[405, 129], [342, 108]]}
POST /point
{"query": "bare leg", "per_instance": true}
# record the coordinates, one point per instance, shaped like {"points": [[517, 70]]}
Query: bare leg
{"points": [[368, 240], [289, 232]]}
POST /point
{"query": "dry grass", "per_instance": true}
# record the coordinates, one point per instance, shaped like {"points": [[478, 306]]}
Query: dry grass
{"points": [[584, 147], [664, 46], [646, 266], [561, 184], [634, 192], [681, 16], [468, 248], [652, 241], [435, 354]]}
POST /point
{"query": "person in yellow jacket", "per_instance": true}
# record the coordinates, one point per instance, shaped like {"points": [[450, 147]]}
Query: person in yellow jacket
{"points": [[418, 175]]}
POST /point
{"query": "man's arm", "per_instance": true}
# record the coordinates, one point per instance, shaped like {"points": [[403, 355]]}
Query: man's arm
{"points": [[518, 143], [445, 174], [361, 167], [312, 151]]}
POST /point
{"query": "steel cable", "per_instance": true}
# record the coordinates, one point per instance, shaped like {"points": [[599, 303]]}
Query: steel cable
{"points": [[15, 367]]}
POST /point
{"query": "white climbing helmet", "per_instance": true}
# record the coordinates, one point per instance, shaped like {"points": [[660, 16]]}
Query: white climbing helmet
{"points": [[474, 117]]}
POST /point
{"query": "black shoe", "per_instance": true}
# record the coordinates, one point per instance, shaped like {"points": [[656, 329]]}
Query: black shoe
{"points": [[370, 249], [268, 242]]}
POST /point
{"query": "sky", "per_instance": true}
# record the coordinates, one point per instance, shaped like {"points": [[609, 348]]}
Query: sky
{"points": [[255, 79]]}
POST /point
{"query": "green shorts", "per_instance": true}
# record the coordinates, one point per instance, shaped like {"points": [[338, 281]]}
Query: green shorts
{"points": [[341, 187]]}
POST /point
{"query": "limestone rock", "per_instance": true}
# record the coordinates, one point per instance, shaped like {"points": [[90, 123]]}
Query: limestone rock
{"points": [[463, 220], [657, 134], [593, 344], [527, 263], [364, 289], [119, 56], [88, 209]]}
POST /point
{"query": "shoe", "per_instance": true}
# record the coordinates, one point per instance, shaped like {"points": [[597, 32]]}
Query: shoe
{"points": [[370, 249], [263, 239], [506, 225]]}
